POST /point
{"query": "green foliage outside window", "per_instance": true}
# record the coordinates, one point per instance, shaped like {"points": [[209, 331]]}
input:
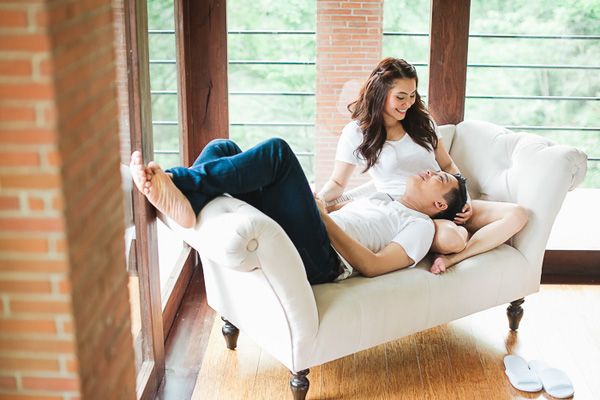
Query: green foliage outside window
{"points": [[533, 17]]}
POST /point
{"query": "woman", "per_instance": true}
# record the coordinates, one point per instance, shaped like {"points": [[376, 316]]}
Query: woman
{"points": [[392, 137]]}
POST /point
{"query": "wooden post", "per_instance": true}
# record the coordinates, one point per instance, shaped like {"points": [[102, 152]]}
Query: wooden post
{"points": [[449, 35], [140, 122], [201, 32]]}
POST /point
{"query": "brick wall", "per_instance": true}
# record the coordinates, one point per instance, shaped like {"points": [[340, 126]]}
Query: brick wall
{"points": [[64, 310], [349, 39]]}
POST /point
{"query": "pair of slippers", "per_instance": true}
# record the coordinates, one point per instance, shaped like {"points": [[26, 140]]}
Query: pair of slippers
{"points": [[536, 376]]}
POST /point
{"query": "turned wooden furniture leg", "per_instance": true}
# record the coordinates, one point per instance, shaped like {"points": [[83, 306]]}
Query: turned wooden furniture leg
{"points": [[299, 384], [230, 333], [515, 313]]}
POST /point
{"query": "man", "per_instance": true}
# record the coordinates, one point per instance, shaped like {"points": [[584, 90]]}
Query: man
{"points": [[380, 234]]}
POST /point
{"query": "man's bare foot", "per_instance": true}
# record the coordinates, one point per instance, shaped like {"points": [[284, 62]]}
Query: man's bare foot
{"points": [[439, 265], [160, 191]]}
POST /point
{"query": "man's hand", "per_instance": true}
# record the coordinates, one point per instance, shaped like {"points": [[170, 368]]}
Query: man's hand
{"points": [[464, 215]]}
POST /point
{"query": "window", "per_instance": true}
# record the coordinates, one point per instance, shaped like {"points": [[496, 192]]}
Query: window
{"points": [[534, 67], [271, 51], [406, 36]]}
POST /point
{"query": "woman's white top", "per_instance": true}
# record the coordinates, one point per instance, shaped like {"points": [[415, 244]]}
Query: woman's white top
{"points": [[399, 159]]}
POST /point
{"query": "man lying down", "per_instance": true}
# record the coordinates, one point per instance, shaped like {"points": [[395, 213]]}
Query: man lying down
{"points": [[373, 235]]}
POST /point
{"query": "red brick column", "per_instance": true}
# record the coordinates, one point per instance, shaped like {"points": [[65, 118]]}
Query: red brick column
{"points": [[349, 38], [64, 310]]}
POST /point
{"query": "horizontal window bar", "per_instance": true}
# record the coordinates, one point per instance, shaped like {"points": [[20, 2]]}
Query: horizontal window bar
{"points": [[272, 124], [165, 123], [270, 32], [393, 33], [272, 93], [505, 97], [161, 31], [595, 159], [274, 62], [554, 128], [166, 151], [473, 96], [533, 66], [503, 35]]}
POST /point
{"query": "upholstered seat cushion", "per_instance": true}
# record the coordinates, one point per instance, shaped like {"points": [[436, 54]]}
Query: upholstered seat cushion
{"points": [[366, 312]]}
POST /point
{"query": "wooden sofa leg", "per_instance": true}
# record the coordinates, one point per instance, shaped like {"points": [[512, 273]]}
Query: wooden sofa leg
{"points": [[299, 384], [230, 333], [515, 313]]}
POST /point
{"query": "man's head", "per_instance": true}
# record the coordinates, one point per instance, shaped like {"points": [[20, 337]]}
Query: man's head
{"points": [[438, 194]]}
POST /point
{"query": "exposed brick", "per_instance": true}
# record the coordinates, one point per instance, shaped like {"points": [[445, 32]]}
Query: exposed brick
{"points": [[8, 383], [28, 91], [19, 159], [25, 286], [35, 203], [52, 384], [8, 345], [19, 364], [14, 68], [16, 114], [33, 265], [13, 18], [24, 42], [9, 202], [24, 327], [30, 181], [39, 307]]}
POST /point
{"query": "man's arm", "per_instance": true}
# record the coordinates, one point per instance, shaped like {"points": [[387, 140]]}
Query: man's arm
{"points": [[370, 264], [391, 258]]}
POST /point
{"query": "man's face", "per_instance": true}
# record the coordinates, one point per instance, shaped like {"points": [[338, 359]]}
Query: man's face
{"points": [[431, 186]]}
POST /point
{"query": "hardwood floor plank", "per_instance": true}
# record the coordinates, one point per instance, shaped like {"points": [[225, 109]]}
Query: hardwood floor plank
{"points": [[435, 364], [404, 369]]}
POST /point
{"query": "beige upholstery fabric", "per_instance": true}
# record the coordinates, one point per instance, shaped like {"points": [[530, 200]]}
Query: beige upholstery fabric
{"points": [[255, 278]]}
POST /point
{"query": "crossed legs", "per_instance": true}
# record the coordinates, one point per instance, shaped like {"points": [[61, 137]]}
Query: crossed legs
{"points": [[491, 224]]}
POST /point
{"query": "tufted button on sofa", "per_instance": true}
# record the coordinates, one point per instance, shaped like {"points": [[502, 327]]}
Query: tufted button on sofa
{"points": [[255, 278]]}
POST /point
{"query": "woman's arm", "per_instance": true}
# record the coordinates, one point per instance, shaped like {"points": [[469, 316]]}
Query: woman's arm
{"points": [[444, 160], [337, 182]]}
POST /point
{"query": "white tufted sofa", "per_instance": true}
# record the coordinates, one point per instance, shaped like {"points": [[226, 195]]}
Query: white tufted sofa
{"points": [[255, 278]]}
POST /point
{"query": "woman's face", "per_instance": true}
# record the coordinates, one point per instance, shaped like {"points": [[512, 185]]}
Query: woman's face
{"points": [[400, 98]]}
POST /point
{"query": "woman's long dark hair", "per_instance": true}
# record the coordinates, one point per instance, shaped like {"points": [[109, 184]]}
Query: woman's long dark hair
{"points": [[367, 110]]}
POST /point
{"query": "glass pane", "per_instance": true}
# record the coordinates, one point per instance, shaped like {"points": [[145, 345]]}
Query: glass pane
{"points": [[549, 18], [408, 18], [297, 15], [165, 108]]}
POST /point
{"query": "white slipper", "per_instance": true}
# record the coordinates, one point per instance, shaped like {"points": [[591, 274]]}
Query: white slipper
{"points": [[556, 382], [520, 376]]}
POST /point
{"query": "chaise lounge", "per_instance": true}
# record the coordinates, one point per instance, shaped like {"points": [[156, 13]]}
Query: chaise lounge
{"points": [[255, 278]]}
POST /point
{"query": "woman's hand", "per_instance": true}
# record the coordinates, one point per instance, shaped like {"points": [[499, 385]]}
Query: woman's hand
{"points": [[464, 215], [320, 204]]}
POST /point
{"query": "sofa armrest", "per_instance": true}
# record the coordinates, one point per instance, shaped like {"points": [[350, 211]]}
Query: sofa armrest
{"points": [[234, 235], [522, 168]]}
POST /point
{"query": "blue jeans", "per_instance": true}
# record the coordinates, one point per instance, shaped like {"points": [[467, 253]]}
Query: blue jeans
{"points": [[269, 177]]}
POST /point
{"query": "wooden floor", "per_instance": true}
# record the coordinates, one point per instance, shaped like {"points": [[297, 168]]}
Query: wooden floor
{"points": [[459, 360]]}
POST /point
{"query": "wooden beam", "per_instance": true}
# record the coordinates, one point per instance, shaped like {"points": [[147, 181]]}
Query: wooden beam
{"points": [[571, 266], [201, 32], [449, 36], [140, 122]]}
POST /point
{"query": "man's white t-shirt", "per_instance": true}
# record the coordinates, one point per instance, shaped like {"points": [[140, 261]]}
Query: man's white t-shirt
{"points": [[399, 159], [378, 220]]}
